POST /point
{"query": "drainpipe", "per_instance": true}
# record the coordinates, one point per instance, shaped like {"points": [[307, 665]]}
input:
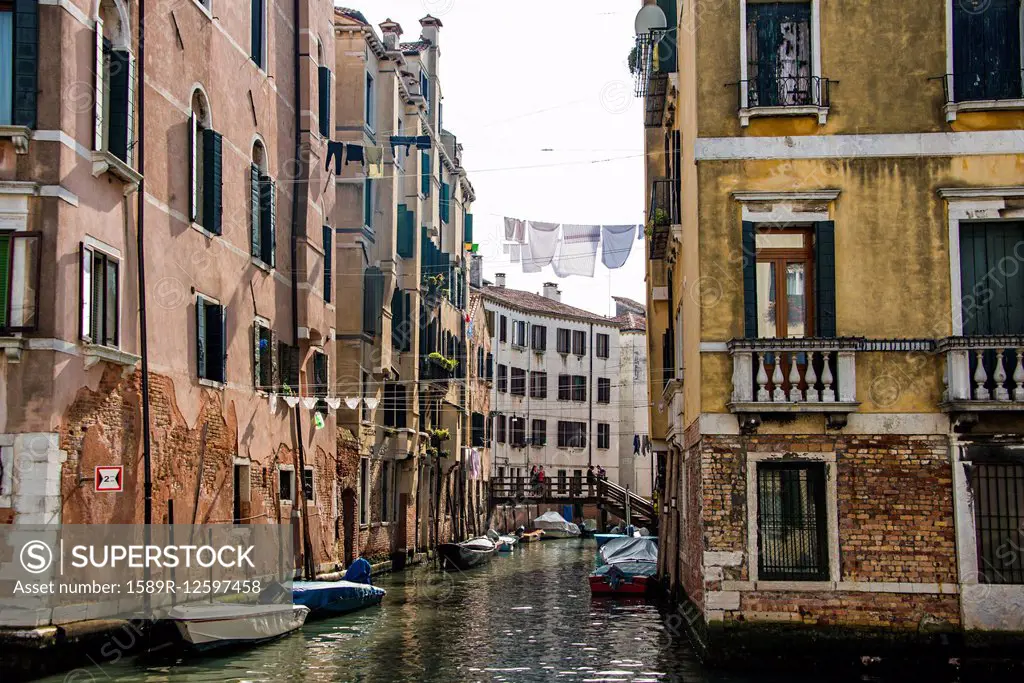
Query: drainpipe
{"points": [[147, 464], [590, 403]]}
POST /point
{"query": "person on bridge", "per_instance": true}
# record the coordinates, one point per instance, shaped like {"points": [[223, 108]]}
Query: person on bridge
{"points": [[540, 481], [591, 480]]}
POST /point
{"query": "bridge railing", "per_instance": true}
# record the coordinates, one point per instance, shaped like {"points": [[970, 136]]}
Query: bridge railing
{"points": [[569, 488], [612, 493]]}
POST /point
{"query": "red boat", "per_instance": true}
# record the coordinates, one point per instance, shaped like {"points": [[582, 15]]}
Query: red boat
{"points": [[627, 566]]}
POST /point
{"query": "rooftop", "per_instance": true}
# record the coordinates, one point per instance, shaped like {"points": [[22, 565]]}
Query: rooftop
{"points": [[352, 14], [415, 47], [631, 322], [630, 304], [528, 302]]}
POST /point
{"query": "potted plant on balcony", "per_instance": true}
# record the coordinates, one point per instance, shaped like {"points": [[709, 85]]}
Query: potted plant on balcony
{"points": [[439, 436], [439, 360], [633, 61], [659, 219]]}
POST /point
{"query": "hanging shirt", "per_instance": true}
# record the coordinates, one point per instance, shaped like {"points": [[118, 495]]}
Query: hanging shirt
{"points": [[616, 243], [374, 162], [354, 153], [577, 252]]}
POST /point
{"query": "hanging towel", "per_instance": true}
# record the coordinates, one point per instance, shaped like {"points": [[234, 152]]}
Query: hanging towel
{"points": [[406, 141], [510, 229], [506, 249], [335, 150], [375, 162], [617, 242], [423, 141], [520, 235], [529, 263], [640, 233], [543, 241], [515, 252], [577, 252], [354, 153]]}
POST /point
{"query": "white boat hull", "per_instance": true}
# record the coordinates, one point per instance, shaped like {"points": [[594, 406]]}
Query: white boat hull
{"points": [[207, 626], [559, 533]]}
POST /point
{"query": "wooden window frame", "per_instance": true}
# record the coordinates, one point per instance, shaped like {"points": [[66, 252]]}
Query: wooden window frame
{"points": [[781, 257]]}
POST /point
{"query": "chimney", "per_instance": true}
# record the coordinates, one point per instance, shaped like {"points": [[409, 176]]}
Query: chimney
{"points": [[551, 291], [392, 31], [499, 279], [476, 270], [430, 29]]}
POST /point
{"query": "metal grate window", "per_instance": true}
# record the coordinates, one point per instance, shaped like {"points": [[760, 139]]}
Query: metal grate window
{"points": [[999, 521], [791, 524]]}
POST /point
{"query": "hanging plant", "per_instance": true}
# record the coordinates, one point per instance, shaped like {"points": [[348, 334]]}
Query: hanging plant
{"points": [[440, 360], [440, 435], [431, 452], [633, 61]]}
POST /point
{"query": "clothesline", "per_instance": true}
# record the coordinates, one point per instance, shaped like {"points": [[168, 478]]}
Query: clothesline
{"points": [[570, 249]]}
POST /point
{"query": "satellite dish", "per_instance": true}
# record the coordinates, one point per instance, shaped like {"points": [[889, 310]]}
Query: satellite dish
{"points": [[650, 19]]}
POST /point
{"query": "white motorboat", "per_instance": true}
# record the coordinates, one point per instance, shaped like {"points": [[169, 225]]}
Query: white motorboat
{"points": [[214, 625], [555, 526]]}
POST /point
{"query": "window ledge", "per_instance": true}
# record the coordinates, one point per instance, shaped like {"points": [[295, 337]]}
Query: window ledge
{"points": [[747, 113], [204, 9], [206, 233], [94, 353], [212, 384], [12, 347], [105, 161], [953, 108], [261, 264], [19, 135]]}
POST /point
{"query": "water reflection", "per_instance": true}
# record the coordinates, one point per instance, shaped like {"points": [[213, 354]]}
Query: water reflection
{"points": [[527, 616]]}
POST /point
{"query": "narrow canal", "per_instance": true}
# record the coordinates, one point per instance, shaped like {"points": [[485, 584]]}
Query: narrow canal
{"points": [[525, 617]]}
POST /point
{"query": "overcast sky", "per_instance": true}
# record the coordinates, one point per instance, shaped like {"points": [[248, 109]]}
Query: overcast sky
{"points": [[519, 78]]}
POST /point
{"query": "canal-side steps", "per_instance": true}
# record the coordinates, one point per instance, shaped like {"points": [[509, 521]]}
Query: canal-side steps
{"points": [[610, 498]]}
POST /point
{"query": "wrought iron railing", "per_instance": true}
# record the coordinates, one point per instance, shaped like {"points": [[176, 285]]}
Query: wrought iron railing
{"points": [[777, 90], [983, 86], [641, 63]]}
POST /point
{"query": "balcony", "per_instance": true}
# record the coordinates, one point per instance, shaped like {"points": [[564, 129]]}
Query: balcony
{"points": [[983, 91], [783, 95], [795, 376], [663, 214], [983, 373]]}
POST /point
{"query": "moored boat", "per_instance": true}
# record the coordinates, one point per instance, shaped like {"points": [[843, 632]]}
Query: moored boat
{"points": [[207, 626], [531, 536], [555, 526], [329, 598], [503, 543], [467, 554], [625, 566]]}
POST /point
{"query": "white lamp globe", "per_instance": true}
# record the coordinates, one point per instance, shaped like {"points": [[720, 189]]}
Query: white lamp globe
{"points": [[650, 19]]}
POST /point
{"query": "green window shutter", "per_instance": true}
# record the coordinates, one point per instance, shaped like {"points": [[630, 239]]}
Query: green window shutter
{"points": [[255, 209], [212, 188], [469, 228], [368, 203], [201, 337], [373, 300], [749, 244], [445, 202], [425, 174], [26, 62], [120, 84], [328, 263], [406, 232], [325, 101], [5, 265], [825, 277], [268, 221], [667, 53], [193, 198]]}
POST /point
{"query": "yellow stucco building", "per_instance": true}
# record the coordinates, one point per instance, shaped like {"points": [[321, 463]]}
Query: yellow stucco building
{"points": [[836, 317]]}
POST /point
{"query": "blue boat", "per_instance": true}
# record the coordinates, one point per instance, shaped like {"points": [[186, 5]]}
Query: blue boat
{"points": [[330, 598]]}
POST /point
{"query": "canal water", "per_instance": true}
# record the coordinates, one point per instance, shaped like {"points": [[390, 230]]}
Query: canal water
{"points": [[527, 616]]}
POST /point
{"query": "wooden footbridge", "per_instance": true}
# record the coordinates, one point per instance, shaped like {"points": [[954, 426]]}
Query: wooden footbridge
{"points": [[609, 498]]}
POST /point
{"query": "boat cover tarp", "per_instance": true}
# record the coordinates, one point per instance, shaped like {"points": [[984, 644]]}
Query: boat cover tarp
{"points": [[360, 572], [335, 595], [554, 521], [630, 570], [481, 543], [629, 550]]}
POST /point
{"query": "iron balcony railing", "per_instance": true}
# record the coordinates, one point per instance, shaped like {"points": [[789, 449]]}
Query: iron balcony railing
{"points": [[641, 63], [993, 85], [777, 90], [664, 212]]}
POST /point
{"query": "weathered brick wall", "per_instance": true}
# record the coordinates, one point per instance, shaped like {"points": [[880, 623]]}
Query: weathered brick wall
{"points": [[723, 500], [692, 551], [896, 509], [880, 610]]}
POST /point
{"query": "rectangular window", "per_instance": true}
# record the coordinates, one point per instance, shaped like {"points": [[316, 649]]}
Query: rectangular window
{"points": [[991, 293], [264, 216], [320, 383], [572, 434], [538, 385], [518, 387], [211, 340], [579, 388], [258, 32], [385, 491], [539, 433], [490, 367], [565, 387], [368, 203], [263, 357], [987, 50], [396, 405], [602, 345], [604, 435], [240, 499], [779, 55], [539, 338], [785, 283], [425, 173], [446, 202], [563, 340], [328, 263], [999, 521], [499, 429], [502, 378], [19, 281], [502, 329], [579, 343], [517, 431], [364, 491], [519, 333], [604, 390], [288, 360], [324, 93], [370, 105], [206, 177], [479, 430], [286, 485], [792, 533], [308, 490], [100, 297]]}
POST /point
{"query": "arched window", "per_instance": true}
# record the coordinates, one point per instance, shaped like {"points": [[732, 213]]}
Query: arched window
{"points": [[205, 183], [114, 80], [263, 207]]}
